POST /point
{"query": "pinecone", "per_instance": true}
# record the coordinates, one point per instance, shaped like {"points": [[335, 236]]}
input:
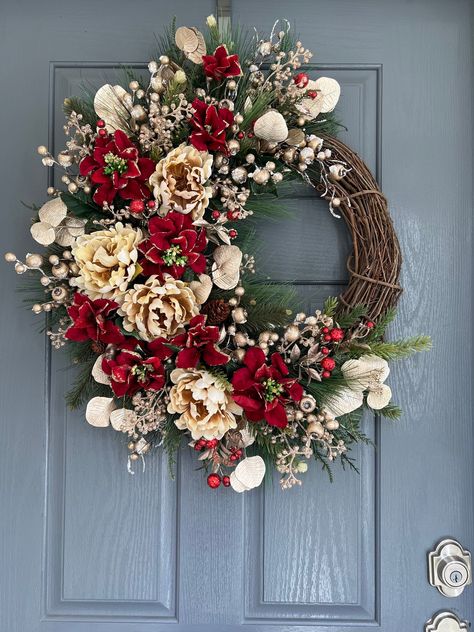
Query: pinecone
{"points": [[217, 311], [98, 347]]}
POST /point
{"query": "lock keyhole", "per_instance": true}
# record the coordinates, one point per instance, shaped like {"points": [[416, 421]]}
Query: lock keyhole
{"points": [[455, 577]]}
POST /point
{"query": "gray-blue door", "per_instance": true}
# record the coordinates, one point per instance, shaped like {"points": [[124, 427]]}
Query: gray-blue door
{"points": [[88, 548]]}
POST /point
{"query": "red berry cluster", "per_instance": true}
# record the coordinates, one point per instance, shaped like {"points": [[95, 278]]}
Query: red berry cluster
{"points": [[236, 454], [138, 206], [334, 335], [214, 480], [206, 444]]}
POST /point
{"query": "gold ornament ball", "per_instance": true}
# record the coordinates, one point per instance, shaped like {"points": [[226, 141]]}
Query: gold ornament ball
{"points": [[239, 175], [233, 146], [292, 333], [45, 281], [34, 261], [239, 315], [336, 202], [239, 291], [239, 354], [60, 271], [37, 308], [54, 260], [47, 307], [20, 268], [134, 457], [232, 85], [332, 424], [261, 177], [10, 257], [316, 428], [241, 339], [42, 150], [131, 446]]}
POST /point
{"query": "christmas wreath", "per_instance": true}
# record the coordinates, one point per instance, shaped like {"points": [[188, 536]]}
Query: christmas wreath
{"points": [[148, 276]]}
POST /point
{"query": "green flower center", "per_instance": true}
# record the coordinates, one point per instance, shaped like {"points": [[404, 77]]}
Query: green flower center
{"points": [[173, 256], [272, 389], [114, 163], [140, 371]]}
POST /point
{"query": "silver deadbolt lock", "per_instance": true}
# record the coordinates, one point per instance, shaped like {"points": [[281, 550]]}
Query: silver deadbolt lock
{"points": [[446, 622], [449, 568]]}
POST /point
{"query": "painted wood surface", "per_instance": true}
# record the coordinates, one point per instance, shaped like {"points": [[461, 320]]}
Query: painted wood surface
{"points": [[87, 548]]}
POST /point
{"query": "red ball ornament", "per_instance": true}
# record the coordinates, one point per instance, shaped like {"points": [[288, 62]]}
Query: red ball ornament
{"points": [[226, 481], [327, 337], [212, 443], [213, 480], [151, 204], [325, 350], [326, 374], [233, 233], [240, 135], [250, 135], [215, 214], [100, 123], [312, 94], [328, 364], [325, 330], [337, 334], [102, 132], [301, 79], [370, 324], [137, 206]]}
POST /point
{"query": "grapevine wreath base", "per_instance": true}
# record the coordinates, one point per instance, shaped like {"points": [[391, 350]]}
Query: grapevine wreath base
{"points": [[148, 277]]}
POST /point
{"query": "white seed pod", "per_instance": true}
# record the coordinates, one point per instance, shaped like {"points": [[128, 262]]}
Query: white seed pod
{"points": [[53, 212], [226, 266], [271, 127], [123, 419], [307, 404], [98, 373], [248, 474], [191, 42], [98, 411], [202, 288], [109, 105]]}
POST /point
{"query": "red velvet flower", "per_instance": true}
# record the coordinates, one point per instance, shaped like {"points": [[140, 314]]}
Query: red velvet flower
{"points": [[115, 167], [199, 344], [130, 372], [91, 320], [210, 125], [174, 245], [221, 65], [262, 390]]}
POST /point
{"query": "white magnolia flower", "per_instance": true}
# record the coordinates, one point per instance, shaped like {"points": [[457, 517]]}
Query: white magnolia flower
{"points": [[368, 373]]}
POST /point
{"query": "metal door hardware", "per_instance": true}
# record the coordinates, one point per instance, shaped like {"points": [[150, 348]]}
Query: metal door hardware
{"points": [[446, 622], [449, 568]]}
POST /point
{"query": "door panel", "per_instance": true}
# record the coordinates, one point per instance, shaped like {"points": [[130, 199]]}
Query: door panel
{"points": [[86, 547]]}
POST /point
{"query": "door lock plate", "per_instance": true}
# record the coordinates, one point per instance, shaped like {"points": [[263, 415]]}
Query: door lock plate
{"points": [[446, 622], [449, 568]]}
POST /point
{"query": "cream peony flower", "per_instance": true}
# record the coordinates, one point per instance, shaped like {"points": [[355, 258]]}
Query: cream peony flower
{"points": [[155, 309], [204, 403], [178, 181], [107, 261]]}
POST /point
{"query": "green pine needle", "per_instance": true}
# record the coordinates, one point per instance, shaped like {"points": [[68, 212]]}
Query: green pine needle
{"points": [[397, 349]]}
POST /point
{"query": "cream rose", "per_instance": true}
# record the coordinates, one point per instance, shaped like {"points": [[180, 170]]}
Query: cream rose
{"points": [[107, 261], [155, 309], [179, 179], [204, 403]]}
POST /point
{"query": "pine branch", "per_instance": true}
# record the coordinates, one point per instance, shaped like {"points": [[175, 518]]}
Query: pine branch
{"points": [[391, 411], [401, 348], [330, 306]]}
